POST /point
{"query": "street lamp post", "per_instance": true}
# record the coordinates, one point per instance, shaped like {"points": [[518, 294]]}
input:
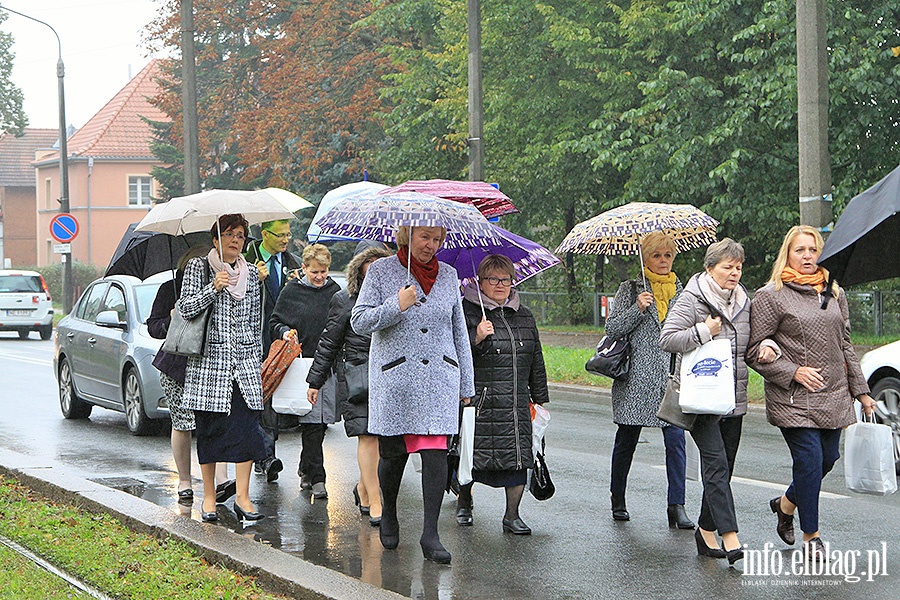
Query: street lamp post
{"points": [[63, 159]]}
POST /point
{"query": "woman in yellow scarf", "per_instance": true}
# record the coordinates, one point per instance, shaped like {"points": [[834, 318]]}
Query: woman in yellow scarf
{"points": [[639, 309]]}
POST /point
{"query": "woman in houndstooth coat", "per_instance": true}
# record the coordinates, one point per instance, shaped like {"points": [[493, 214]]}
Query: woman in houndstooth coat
{"points": [[224, 387]]}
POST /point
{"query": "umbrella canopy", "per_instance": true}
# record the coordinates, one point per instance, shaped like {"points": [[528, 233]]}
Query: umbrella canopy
{"points": [[376, 217], [619, 231], [866, 238], [529, 258], [199, 212], [490, 201], [332, 199], [146, 253]]}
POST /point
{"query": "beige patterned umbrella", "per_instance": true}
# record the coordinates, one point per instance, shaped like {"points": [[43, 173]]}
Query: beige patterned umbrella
{"points": [[618, 231]]}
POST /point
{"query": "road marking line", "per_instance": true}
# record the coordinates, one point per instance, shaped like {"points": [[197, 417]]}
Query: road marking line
{"points": [[772, 486], [27, 360]]}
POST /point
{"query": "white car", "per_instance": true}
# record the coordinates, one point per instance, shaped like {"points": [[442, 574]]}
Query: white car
{"points": [[25, 304], [881, 368]]}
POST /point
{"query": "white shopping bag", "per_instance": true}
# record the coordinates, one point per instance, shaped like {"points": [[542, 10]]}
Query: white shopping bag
{"points": [[466, 445], [289, 397], [692, 458], [539, 423], [869, 459], [707, 379]]}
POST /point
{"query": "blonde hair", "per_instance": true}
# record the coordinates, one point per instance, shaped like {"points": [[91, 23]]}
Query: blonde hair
{"points": [[318, 253], [657, 240], [402, 235], [781, 261]]}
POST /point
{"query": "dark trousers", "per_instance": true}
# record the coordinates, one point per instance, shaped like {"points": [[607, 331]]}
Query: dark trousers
{"points": [[730, 429], [716, 473], [627, 437], [312, 458], [814, 452]]}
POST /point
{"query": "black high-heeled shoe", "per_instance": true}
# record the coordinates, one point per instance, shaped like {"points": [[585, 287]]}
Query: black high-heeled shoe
{"points": [[248, 517], [363, 510], [186, 497], [704, 550], [437, 553], [209, 517], [678, 518], [619, 512], [734, 555]]}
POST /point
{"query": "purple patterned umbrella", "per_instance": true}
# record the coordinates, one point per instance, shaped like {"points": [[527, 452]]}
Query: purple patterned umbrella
{"points": [[528, 257], [373, 216], [490, 201]]}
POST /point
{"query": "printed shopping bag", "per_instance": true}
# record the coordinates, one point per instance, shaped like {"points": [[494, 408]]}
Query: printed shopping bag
{"points": [[707, 379]]}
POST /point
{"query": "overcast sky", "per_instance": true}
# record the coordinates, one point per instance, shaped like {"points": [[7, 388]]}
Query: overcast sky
{"points": [[100, 50]]}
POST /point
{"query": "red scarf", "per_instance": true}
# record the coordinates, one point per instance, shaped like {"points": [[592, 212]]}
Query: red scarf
{"points": [[425, 273]]}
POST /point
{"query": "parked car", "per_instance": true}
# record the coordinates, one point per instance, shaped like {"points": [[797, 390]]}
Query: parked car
{"points": [[881, 368], [104, 354], [25, 304]]}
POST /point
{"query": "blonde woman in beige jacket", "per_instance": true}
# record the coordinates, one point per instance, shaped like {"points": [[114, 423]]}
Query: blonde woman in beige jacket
{"points": [[811, 385]]}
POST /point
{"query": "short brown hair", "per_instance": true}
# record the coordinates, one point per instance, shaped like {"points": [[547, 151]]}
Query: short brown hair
{"points": [[318, 253], [496, 262], [227, 222]]}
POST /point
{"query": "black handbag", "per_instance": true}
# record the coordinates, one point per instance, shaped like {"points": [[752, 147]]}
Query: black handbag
{"points": [[357, 377], [187, 337], [669, 409], [612, 358], [541, 486]]}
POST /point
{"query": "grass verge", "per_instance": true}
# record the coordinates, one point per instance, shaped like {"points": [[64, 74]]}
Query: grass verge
{"points": [[99, 550], [24, 579]]}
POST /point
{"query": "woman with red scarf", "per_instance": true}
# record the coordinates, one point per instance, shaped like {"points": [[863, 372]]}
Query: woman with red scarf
{"points": [[420, 367], [813, 381]]}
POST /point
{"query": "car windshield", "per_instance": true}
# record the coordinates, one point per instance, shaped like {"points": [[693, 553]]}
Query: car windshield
{"points": [[20, 283], [145, 294]]}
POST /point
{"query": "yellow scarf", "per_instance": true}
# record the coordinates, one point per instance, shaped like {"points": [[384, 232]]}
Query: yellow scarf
{"points": [[816, 280], [663, 288]]}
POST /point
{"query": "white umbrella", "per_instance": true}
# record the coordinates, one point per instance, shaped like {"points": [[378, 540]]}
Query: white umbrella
{"points": [[332, 199], [199, 212]]}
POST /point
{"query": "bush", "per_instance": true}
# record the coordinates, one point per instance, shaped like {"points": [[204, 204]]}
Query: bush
{"points": [[82, 275]]}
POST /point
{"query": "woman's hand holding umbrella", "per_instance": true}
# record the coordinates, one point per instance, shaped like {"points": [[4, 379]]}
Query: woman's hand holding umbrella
{"points": [[484, 329], [407, 297], [644, 300], [221, 281]]}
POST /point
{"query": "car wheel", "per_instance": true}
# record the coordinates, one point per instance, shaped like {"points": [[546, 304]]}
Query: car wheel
{"points": [[887, 395], [71, 405], [23, 334], [133, 400], [46, 332]]}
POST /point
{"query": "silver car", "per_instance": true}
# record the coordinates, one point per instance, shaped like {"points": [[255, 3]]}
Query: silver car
{"points": [[104, 354], [881, 368]]}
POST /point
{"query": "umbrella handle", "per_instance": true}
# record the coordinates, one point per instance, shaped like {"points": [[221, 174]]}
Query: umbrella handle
{"points": [[641, 256]]}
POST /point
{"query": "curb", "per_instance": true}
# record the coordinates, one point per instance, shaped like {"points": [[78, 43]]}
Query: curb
{"points": [[276, 571]]}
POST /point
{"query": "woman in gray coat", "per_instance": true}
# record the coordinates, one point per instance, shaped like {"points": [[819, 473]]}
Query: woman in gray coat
{"points": [[420, 367], [714, 305], [637, 315], [224, 387]]}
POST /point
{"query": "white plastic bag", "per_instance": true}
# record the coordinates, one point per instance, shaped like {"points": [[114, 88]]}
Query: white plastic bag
{"points": [[539, 424], [289, 397], [707, 379], [869, 459], [466, 445]]}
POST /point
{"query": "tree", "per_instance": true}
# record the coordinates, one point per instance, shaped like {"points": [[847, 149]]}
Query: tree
{"points": [[12, 115]]}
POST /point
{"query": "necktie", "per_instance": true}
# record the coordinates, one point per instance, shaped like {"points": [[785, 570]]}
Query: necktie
{"points": [[274, 279]]}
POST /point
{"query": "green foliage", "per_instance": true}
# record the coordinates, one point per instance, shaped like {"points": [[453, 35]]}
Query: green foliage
{"points": [[566, 365], [82, 275], [12, 115], [24, 579]]}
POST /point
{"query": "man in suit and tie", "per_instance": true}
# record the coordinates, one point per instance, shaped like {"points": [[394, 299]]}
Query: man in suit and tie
{"points": [[276, 265]]}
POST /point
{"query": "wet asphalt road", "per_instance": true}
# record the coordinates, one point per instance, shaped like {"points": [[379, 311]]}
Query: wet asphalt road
{"points": [[576, 550]]}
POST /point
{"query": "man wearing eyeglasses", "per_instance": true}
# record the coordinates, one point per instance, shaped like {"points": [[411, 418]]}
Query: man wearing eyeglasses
{"points": [[276, 266]]}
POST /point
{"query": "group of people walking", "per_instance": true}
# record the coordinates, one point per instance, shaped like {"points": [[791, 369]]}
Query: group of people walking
{"points": [[428, 351], [795, 332]]}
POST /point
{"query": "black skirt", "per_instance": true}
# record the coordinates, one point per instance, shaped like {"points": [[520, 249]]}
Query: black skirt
{"points": [[498, 479], [233, 437]]}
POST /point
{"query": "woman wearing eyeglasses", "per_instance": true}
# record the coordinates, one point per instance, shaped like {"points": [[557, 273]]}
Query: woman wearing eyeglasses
{"points": [[509, 375]]}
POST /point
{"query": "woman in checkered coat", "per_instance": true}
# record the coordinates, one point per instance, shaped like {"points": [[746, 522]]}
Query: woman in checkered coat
{"points": [[224, 388]]}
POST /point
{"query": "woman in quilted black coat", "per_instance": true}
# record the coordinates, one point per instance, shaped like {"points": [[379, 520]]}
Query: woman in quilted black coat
{"points": [[340, 346], [509, 374]]}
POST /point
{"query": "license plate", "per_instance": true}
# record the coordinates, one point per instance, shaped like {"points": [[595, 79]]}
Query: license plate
{"points": [[18, 313]]}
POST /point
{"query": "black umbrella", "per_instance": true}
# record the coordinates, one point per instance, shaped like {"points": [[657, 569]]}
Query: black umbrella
{"points": [[146, 253], [865, 243]]}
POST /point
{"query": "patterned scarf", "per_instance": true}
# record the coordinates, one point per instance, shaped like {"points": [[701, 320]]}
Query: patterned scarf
{"points": [[425, 273], [816, 280], [663, 288]]}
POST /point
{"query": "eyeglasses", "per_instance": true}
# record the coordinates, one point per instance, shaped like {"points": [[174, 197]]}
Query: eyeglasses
{"points": [[237, 236], [280, 236], [505, 281]]}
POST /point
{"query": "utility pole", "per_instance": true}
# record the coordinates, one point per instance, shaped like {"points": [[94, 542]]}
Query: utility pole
{"points": [[189, 100], [476, 105], [812, 115]]}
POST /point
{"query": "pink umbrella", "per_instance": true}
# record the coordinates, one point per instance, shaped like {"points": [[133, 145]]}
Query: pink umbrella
{"points": [[490, 201]]}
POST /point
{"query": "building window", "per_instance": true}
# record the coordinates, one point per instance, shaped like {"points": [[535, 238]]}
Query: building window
{"points": [[48, 200], [139, 191]]}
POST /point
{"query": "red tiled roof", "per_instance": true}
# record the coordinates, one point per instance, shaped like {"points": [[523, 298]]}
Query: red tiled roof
{"points": [[17, 154], [117, 130]]}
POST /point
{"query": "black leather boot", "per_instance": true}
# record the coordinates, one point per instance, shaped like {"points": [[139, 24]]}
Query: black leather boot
{"points": [[619, 512], [678, 518]]}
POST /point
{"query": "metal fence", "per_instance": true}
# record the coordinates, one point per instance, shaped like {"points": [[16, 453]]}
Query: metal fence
{"points": [[875, 312]]}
